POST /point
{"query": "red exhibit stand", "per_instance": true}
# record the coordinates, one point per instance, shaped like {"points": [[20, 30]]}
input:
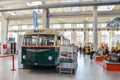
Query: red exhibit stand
{"points": [[10, 55], [99, 58], [110, 66]]}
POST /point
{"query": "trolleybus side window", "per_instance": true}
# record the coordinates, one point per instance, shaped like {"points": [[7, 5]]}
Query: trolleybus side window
{"points": [[58, 41]]}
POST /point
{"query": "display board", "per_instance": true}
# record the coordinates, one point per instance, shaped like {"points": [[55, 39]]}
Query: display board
{"points": [[66, 52]]}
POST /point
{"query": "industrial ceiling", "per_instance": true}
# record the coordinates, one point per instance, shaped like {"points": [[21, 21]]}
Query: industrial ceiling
{"points": [[20, 11]]}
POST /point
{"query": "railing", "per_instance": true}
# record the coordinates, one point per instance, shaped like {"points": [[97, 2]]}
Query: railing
{"points": [[10, 55]]}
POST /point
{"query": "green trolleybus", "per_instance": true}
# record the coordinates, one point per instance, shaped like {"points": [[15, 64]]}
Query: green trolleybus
{"points": [[41, 47]]}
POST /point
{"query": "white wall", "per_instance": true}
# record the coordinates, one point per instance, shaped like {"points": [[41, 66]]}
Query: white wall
{"points": [[0, 32]]}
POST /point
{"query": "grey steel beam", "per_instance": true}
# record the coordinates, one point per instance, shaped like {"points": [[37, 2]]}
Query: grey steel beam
{"points": [[70, 15], [63, 23], [84, 14], [60, 5], [74, 29], [30, 16], [77, 23]]}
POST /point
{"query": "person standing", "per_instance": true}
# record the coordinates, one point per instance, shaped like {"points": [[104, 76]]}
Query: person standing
{"points": [[84, 51], [91, 53], [80, 49]]}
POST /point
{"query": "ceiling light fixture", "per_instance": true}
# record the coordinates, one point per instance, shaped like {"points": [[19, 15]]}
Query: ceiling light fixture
{"points": [[15, 13], [35, 3], [106, 8]]}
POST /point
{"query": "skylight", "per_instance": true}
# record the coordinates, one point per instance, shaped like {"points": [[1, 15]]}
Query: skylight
{"points": [[106, 8], [71, 9], [39, 11], [114, 23], [35, 3], [15, 13]]}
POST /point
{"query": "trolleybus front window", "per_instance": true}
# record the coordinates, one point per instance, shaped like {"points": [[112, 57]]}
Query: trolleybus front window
{"points": [[39, 40], [30, 40], [46, 40]]}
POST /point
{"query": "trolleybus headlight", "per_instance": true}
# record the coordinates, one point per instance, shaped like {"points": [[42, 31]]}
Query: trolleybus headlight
{"points": [[50, 58], [24, 57]]}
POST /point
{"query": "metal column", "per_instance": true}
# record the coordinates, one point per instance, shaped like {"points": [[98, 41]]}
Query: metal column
{"points": [[45, 18], [86, 33], [95, 26], [4, 32], [73, 37]]}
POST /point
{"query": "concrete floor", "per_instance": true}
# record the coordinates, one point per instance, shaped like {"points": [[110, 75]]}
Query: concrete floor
{"points": [[87, 70]]}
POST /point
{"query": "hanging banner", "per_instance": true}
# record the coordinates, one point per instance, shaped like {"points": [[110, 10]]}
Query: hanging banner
{"points": [[35, 19]]}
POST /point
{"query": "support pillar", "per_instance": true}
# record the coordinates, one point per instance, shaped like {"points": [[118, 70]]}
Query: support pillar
{"points": [[4, 32], [110, 39], [73, 35], [45, 18], [86, 34], [95, 26], [100, 36]]}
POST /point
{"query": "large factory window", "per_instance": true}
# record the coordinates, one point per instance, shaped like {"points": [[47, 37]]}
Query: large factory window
{"points": [[67, 25], [116, 38], [91, 36], [90, 25], [71, 9], [55, 26], [24, 27], [105, 37], [103, 25], [80, 38], [67, 35], [13, 28], [79, 25]]}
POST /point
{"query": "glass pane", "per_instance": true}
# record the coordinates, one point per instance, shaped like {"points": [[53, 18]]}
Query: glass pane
{"points": [[90, 25], [79, 25], [103, 25], [67, 25], [24, 27], [91, 36], [13, 28], [71, 9], [105, 36], [67, 35], [106, 8], [39, 40], [80, 37], [56, 26]]}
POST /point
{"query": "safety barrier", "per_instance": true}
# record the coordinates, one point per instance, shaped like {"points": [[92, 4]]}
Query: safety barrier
{"points": [[10, 55]]}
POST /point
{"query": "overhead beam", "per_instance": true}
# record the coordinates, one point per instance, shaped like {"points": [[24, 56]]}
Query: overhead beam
{"points": [[62, 23], [70, 15], [73, 29], [18, 17], [76, 22], [60, 5], [84, 14]]}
